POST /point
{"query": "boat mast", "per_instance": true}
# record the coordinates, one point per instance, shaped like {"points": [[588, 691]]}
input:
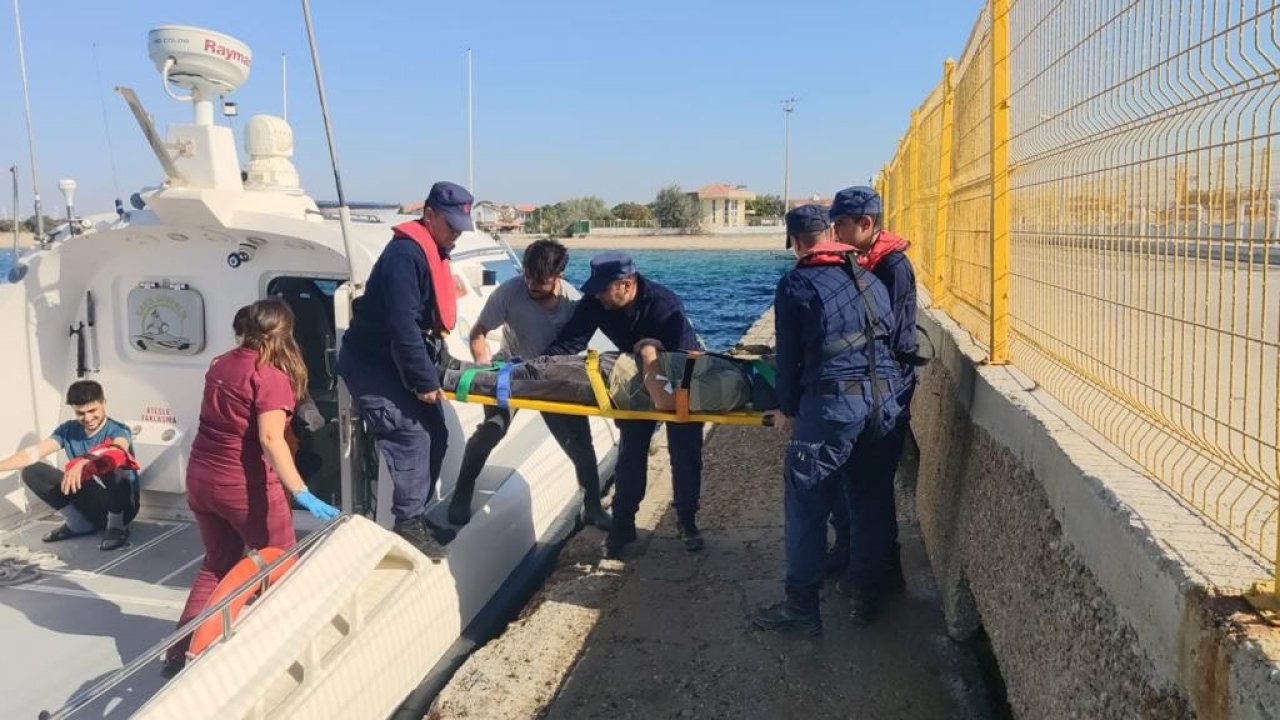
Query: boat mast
{"points": [[344, 213], [31, 134]]}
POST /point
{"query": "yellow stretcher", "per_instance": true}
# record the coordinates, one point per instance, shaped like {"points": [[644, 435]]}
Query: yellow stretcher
{"points": [[604, 404]]}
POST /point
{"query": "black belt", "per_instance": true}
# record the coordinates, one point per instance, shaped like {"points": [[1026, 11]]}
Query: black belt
{"points": [[850, 387]]}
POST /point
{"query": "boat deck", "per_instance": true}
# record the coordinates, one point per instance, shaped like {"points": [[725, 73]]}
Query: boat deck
{"points": [[90, 613]]}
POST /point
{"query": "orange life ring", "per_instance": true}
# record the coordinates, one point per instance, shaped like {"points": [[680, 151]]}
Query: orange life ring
{"points": [[253, 561]]}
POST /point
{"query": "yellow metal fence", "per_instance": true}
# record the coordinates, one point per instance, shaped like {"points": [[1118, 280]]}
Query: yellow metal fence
{"points": [[1092, 192]]}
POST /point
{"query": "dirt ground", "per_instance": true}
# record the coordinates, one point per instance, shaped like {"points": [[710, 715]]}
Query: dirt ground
{"points": [[666, 634]]}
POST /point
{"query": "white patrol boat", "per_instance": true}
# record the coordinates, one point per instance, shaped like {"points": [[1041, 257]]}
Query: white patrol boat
{"points": [[141, 300]]}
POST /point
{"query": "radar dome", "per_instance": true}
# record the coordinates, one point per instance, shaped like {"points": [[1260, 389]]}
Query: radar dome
{"points": [[203, 61]]}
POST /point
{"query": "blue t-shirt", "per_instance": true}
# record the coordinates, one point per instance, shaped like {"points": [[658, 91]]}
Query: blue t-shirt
{"points": [[72, 440]]}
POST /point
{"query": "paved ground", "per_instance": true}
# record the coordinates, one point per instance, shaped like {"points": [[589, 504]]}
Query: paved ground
{"points": [[666, 634], [676, 641]]}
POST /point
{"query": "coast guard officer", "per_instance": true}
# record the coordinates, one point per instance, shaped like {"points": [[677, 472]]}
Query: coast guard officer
{"points": [[834, 388], [639, 316], [389, 354], [856, 216]]}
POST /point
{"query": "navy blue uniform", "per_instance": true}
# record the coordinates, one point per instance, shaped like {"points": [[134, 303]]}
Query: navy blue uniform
{"points": [[387, 359], [876, 463], [839, 388], [656, 313]]}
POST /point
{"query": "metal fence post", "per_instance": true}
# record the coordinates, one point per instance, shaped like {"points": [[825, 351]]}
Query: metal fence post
{"points": [[1001, 212], [941, 292], [912, 223]]}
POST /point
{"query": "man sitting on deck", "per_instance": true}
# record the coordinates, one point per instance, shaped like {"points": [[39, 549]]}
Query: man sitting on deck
{"points": [[98, 487]]}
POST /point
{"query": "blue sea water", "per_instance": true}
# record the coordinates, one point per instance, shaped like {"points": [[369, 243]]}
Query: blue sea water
{"points": [[723, 292]]}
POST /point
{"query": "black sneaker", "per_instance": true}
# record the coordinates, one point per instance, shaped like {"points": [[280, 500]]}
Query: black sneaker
{"points": [[597, 516], [114, 538], [619, 537], [688, 529], [863, 608], [64, 532], [837, 560], [894, 581], [172, 666], [785, 617], [415, 531], [442, 533], [459, 512]]}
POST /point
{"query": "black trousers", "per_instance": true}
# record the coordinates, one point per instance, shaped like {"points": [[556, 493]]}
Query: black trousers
{"points": [[572, 432], [116, 494]]}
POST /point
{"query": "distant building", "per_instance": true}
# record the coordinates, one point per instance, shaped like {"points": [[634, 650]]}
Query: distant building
{"points": [[723, 205], [814, 199], [487, 214]]}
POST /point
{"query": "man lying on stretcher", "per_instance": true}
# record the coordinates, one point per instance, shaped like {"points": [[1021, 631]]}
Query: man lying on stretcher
{"points": [[645, 381]]}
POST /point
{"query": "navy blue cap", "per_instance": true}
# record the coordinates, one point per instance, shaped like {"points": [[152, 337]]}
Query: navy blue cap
{"points": [[807, 219], [605, 268], [454, 202], [858, 200]]}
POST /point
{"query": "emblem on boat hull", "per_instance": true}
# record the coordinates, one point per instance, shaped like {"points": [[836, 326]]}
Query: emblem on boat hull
{"points": [[166, 319]]}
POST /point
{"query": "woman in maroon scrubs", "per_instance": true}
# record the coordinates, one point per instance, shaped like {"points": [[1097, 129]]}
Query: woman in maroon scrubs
{"points": [[241, 464]]}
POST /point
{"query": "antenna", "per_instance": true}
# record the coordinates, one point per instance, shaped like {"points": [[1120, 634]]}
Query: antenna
{"points": [[106, 123], [31, 135], [284, 84], [344, 213]]}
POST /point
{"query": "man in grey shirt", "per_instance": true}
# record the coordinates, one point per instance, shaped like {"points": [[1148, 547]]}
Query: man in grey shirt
{"points": [[530, 309]]}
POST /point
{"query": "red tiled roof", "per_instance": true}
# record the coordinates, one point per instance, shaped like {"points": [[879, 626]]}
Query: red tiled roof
{"points": [[719, 190]]}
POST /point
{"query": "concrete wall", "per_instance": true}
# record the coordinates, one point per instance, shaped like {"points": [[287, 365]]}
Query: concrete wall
{"points": [[1103, 595]]}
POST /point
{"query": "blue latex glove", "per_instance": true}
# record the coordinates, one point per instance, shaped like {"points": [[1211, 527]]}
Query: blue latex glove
{"points": [[316, 506]]}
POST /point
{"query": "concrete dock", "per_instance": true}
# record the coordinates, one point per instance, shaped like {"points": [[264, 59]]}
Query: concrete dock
{"points": [[665, 633]]}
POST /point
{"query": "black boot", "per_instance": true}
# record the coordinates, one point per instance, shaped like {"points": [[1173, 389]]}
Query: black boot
{"points": [[416, 532], [789, 617], [837, 559], [622, 534], [460, 504], [864, 607], [593, 513], [894, 581], [692, 535]]}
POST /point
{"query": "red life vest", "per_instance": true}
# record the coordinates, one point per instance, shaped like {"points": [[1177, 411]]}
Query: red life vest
{"points": [[885, 244], [826, 253], [442, 289], [104, 458]]}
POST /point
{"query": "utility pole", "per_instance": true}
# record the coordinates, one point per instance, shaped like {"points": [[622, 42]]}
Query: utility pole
{"points": [[788, 107], [471, 148]]}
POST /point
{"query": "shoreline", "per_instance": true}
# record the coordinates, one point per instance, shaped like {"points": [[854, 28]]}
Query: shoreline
{"points": [[755, 242]]}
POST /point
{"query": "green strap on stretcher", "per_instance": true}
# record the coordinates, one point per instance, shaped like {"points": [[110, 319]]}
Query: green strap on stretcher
{"points": [[764, 370], [469, 375]]}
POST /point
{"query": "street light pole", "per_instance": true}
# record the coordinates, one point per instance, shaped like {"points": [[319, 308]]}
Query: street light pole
{"points": [[788, 107], [471, 148]]}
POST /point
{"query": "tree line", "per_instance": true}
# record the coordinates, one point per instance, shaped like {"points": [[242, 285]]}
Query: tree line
{"points": [[671, 208], [28, 225]]}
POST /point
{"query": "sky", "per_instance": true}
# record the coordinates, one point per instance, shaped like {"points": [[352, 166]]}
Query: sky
{"points": [[570, 97]]}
